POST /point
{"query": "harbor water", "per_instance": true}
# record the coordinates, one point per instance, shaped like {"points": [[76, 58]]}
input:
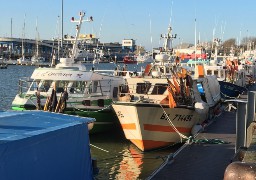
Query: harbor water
{"points": [[117, 158]]}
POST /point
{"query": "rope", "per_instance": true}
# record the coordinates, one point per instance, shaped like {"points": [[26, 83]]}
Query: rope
{"points": [[91, 111], [226, 96], [173, 126], [99, 148], [210, 141]]}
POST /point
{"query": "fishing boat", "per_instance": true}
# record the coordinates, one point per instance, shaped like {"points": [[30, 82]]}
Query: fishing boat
{"points": [[233, 77], [161, 105], [129, 60], [144, 58], [71, 89]]}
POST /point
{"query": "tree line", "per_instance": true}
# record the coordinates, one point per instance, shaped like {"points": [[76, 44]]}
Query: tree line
{"points": [[246, 44]]}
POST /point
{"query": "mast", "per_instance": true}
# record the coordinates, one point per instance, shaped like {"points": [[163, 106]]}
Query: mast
{"points": [[37, 39], [11, 27], [23, 37], [58, 27], [62, 25], [195, 40], [78, 28], [168, 39]]}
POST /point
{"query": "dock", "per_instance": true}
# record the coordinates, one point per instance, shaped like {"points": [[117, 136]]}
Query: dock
{"points": [[211, 152]]}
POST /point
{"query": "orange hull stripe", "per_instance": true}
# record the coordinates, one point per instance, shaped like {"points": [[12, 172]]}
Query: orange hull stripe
{"points": [[151, 127], [145, 145], [129, 126]]}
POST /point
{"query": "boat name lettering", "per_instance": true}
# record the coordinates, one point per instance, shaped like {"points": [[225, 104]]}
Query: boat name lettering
{"points": [[119, 114], [177, 117], [56, 74]]}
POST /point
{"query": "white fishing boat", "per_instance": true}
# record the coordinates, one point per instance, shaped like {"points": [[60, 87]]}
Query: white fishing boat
{"points": [[144, 58], [161, 107], [70, 88]]}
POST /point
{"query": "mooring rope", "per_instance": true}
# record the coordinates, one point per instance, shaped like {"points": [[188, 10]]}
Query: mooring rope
{"points": [[173, 126], [99, 148], [91, 111]]}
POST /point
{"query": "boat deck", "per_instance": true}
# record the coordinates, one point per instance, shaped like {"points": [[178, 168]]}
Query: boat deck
{"points": [[205, 160]]}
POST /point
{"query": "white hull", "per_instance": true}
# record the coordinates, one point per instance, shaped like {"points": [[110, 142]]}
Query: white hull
{"points": [[147, 127]]}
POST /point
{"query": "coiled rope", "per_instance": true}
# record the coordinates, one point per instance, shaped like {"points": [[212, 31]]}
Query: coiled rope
{"points": [[210, 141]]}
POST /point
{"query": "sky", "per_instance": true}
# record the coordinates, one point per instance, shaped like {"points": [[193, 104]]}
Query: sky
{"points": [[142, 20]]}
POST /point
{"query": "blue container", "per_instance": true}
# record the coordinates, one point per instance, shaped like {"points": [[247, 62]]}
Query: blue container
{"points": [[200, 88]]}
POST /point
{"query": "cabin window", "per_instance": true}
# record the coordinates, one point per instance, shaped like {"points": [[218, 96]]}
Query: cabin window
{"points": [[222, 74], [216, 73], [124, 89], [61, 86], [115, 91], [101, 102], [44, 86], [77, 87], [142, 88], [86, 102], [95, 86], [209, 72], [159, 88]]}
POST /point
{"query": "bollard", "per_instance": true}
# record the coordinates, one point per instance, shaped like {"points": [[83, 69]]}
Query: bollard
{"points": [[241, 120], [250, 108], [241, 115], [240, 170]]}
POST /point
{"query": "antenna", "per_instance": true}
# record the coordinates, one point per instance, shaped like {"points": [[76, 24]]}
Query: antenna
{"points": [[195, 39], [151, 39], [171, 14], [11, 27], [240, 34], [78, 28], [62, 25]]}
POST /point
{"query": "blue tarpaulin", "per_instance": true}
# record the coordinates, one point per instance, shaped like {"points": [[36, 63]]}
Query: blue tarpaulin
{"points": [[37, 145]]}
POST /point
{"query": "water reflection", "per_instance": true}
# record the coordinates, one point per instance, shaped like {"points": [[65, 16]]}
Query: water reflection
{"points": [[119, 159], [130, 166]]}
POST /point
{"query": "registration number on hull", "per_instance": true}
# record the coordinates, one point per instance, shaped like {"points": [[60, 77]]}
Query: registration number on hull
{"points": [[177, 117]]}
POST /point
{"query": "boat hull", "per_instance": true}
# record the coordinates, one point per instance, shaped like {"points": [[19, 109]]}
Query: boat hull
{"points": [[229, 90], [105, 117], [147, 126], [105, 120]]}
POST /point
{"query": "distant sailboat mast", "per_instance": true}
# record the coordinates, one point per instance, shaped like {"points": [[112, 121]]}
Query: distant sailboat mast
{"points": [[195, 40], [23, 37], [37, 40], [62, 26]]}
